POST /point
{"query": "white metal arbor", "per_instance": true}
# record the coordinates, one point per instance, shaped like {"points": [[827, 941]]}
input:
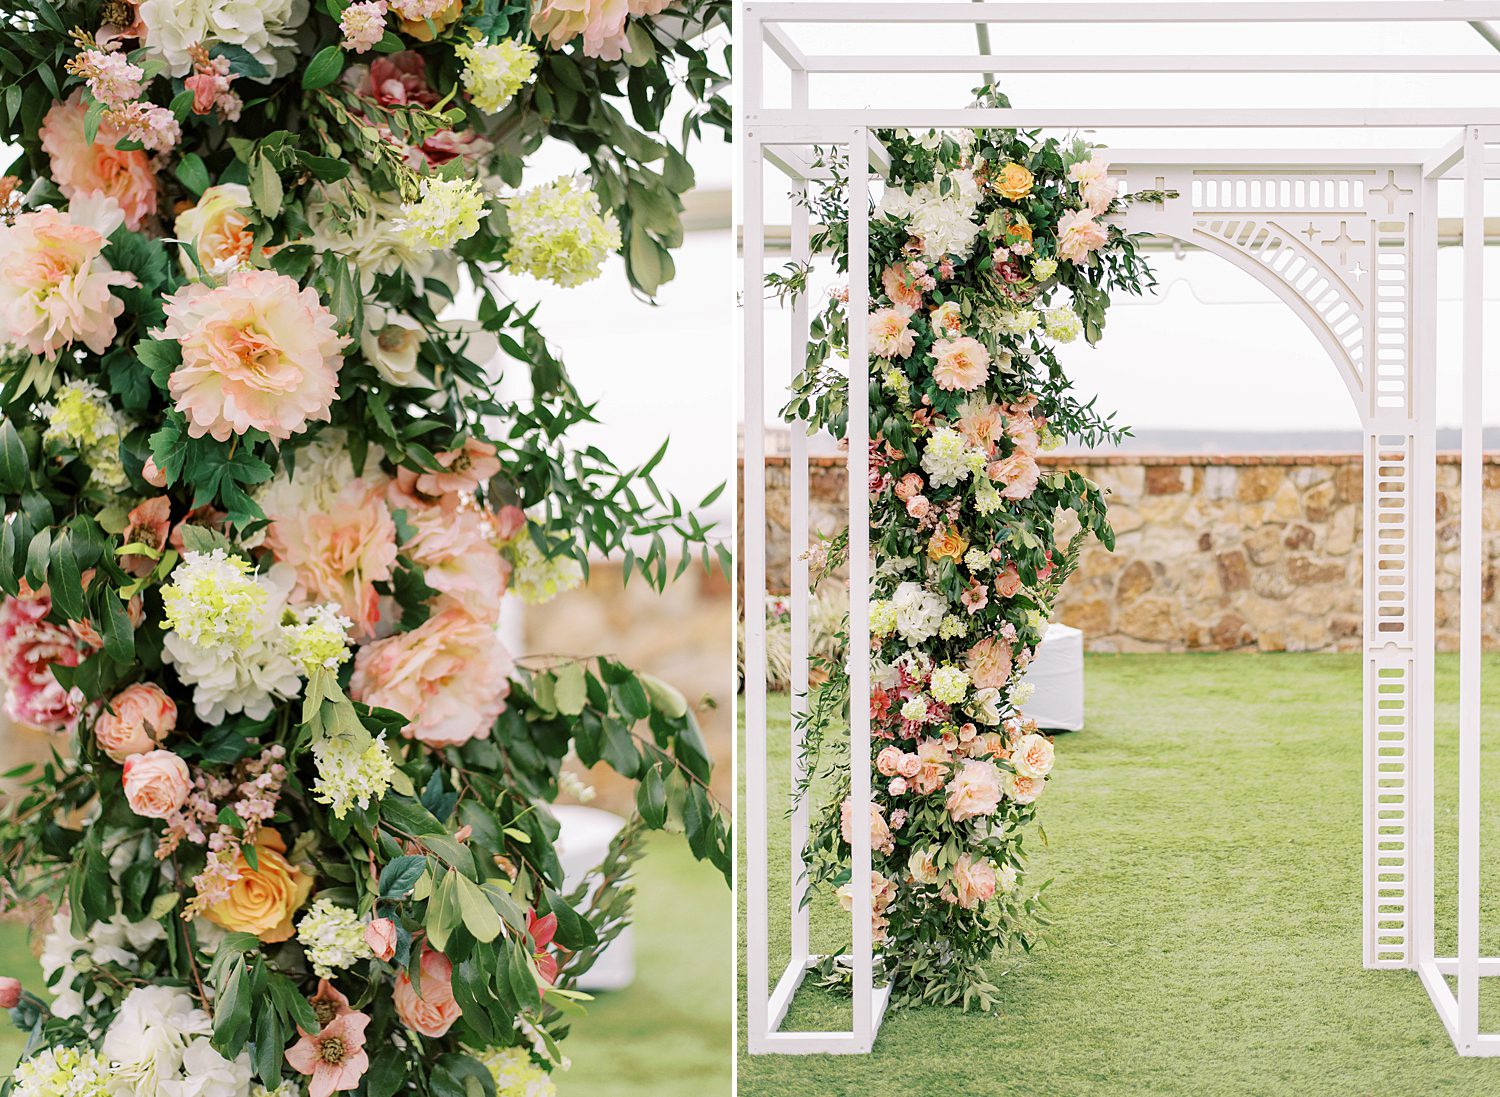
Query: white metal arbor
{"points": [[1347, 240]]}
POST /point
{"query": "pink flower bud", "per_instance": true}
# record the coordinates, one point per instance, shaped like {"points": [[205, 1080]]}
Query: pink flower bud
{"points": [[152, 474], [10, 992], [380, 935]]}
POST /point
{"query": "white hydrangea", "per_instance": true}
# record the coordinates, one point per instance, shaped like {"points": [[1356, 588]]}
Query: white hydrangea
{"points": [[263, 28], [81, 418], [953, 627], [516, 1073], [318, 637], [918, 612], [987, 497], [977, 560], [948, 458], [1014, 321], [536, 578], [371, 236], [495, 71], [1021, 693], [914, 710], [248, 676], [1062, 324], [333, 937], [116, 941], [559, 232], [950, 684], [1043, 269], [348, 777], [446, 211], [160, 1039], [63, 1072], [214, 601], [882, 617]]}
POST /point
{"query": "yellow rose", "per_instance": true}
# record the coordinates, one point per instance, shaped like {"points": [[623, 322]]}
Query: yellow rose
{"points": [[1014, 182], [263, 900], [947, 543], [422, 32]]}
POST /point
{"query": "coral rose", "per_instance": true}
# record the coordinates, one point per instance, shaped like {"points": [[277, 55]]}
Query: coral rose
{"points": [[1008, 582], [1014, 182], [257, 352], [988, 663], [59, 289], [380, 938], [157, 783], [433, 1012], [263, 899], [973, 882], [1078, 234], [890, 334], [888, 761], [962, 363], [905, 296], [449, 677], [947, 544], [138, 719], [1033, 756], [218, 230], [80, 168], [974, 791]]}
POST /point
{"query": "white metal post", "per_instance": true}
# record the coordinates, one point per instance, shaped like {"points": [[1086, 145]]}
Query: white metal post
{"points": [[1471, 524]]}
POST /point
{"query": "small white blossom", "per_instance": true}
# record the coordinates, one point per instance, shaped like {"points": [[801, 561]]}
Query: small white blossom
{"points": [[333, 936], [449, 210], [348, 777]]}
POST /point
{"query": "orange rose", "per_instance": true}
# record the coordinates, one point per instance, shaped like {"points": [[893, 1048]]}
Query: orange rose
{"points": [[1020, 230], [947, 543], [263, 900], [1014, 182]]}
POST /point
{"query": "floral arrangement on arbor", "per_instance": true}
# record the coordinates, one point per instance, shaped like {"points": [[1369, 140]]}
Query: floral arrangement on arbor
{"points": [[262, 497], [987, 250]]}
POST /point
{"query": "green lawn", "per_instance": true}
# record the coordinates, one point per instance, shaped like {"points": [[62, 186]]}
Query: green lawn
{"points": [[665, 1036], [1205, 857]]}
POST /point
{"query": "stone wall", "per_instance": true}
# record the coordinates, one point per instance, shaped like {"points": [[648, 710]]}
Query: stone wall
{"points": [[1216, 553]]}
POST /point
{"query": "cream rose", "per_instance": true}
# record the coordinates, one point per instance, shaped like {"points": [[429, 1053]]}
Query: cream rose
{"points": [[1023, 789], [1032, 756], [880, 833], [218, 230], [138, 718], [890, 334], [922, 865], [157, 783]]}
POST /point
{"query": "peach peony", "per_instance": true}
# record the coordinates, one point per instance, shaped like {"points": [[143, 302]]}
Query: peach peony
{"points": [[452, 545], [932, 758], [988, 663], [138, 718], [880, 834], [905, 296], [921, 866], [341, 553], [1094, 184], [600, 22], [218, 230], [974, 791], [157, 783], [973, 882], [1078, 234], [80, 168], [449, 677], [1023, 789], [890, 334], [962, 363], [262, 900], [433, 1012], [1033, 756], [1018, 472], [257, 352], [58, 287]]}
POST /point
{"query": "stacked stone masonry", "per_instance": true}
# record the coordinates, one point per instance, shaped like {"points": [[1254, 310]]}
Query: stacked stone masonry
{"points": [[1216, 553]]}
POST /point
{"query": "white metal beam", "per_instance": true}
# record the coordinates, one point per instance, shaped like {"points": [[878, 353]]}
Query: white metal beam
{"points": [[1174, 11], [1153, 63], [830, 125]]}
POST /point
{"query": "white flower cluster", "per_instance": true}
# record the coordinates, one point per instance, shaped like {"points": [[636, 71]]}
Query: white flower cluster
{"points": [[318, 637], [558, 232], [82, 419], [349, 777], [919, 612], [448, 210], [1043, 269], [948, 458], [950, 684], [263, 28], [914, 710], [1013, 321], [65, 957], [1062, 324], [882, 617], [226, 639], [333, 936], [495, 71], [977, 560], [515, 1074], [537, 578], [159, 1046], [953, 627], [370, 235], [63, 1072], [944, 222]]}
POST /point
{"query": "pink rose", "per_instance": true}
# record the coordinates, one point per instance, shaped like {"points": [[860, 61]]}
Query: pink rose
{"points": [[380, 937], [433, 1012], [1078, 234], [80, 168], [10, 992], [449, 677], [974, 791], [880, 834], [908, 486], [988, 663], [157, 783], [138, 719], [909, 766], [888, 761], [1008, 582], [897, 787], [918, 507], [1018, 472], [257, 351], [962, 363], [973, 882]]}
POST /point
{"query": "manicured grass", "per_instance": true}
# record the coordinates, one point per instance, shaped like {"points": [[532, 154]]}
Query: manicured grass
{"points": [[1205, 857], [667, 1035]]}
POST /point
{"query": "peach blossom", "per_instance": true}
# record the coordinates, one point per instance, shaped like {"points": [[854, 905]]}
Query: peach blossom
{"points": [[1018, 472], [449, 677], [80, 168], [157, 783], [334, 1056], [138, 719], [1078, 234], [974, 791], [147, 524], [464, 469], [880, 833], [891, 335], [340, 555], [59, 289], [257, 352], [962, 363], [988, 663], [973, 882], [433, 1012]]}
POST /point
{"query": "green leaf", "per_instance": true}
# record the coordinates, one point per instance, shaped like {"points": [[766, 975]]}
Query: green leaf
{"points": [[232, 1011], [193, 173], [65, 580], [651, 798], [15, 469], [571, 691], [324, 68], [443, 912], [119, 633], [480, 918], [265, 186], [573, 930], [400, 876]]}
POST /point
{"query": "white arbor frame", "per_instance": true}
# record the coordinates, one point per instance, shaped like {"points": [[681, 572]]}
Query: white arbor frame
{"points": [[1348, 241]]}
